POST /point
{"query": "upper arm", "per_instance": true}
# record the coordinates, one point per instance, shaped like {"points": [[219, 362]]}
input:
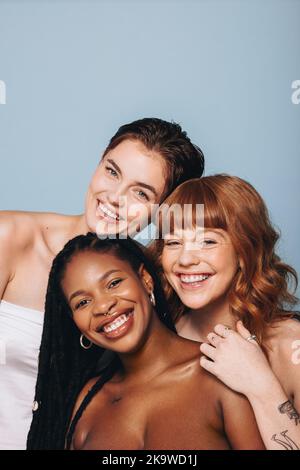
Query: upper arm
{"points": [[295, 378], [239, 422], [8, 248], [289, 361]]}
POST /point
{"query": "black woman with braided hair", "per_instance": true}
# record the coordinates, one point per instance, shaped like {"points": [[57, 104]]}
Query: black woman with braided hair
{"points": [[142, 163], [113, 373]]}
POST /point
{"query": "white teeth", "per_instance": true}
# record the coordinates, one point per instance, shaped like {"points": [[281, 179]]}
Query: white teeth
{"points": [[116, 323], [107, 211], [193, 277]]}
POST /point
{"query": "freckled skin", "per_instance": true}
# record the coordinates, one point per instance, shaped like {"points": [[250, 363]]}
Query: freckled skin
{"points": [[219, 260], [160, 398]]}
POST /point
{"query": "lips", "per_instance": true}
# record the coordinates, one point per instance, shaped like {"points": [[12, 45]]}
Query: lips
{"points": [[115, 324], [104, 211], [114, 321], [193, 280]]}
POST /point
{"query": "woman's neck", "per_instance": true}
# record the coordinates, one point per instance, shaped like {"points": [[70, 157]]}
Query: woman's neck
{"points": [[158, 352], [196, 324], [58, 229], [79, 227]]}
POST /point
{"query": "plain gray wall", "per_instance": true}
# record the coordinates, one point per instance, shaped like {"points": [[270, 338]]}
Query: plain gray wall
{"points": [[76, 70]]}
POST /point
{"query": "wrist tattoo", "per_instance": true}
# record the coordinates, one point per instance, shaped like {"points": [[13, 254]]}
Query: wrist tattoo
{"points": [[287, 443], [288, 408]]}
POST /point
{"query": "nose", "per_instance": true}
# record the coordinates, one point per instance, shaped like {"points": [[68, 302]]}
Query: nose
{"points": [[188, 257], [103, 304], [116, 196]]}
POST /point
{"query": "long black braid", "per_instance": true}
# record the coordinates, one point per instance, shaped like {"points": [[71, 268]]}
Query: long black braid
{"points": [[64, 366]]}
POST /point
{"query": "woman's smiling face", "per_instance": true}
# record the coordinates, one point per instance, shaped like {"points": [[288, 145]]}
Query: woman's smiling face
{"points": [[109, 301], [127, 181], [200, 271]]}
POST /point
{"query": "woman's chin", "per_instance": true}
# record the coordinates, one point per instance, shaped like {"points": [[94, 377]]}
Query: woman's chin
{"points": [[104, 229], [192, 303]]}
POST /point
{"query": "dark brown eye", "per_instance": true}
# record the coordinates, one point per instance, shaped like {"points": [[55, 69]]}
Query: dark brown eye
{"points": [[81, 304], [114, 283]]}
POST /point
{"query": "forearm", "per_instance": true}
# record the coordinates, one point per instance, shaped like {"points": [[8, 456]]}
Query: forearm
{"points": [[277, 419]]}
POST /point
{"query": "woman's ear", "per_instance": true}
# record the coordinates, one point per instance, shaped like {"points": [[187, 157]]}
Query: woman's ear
{"points": [[239, 264], [146, 279]]}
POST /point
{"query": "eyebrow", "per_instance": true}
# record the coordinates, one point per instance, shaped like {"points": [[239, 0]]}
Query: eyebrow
{"points": [[215, 231], [101, 278], [137, 183]]}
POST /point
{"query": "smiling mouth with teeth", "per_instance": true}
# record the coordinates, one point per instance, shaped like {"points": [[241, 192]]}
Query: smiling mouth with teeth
{"points": [[193, 279], [114, 325], [105, 212]]}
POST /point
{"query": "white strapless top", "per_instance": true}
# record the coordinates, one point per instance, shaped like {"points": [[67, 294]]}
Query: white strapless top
{"points": [[20, 338]]}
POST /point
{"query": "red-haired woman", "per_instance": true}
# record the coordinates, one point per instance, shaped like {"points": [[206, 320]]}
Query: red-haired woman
{"points": [[229, 290]]}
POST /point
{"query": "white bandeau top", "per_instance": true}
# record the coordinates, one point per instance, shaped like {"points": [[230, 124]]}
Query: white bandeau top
{"points": [[20, 338]]}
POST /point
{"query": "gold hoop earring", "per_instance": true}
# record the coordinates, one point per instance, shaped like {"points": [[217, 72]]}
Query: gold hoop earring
{"points": [[152, 298], [83, 345]]}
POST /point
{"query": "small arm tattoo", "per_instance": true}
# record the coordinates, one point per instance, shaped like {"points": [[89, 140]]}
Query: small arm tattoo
{"points": [[288, 408], [287, 443]]}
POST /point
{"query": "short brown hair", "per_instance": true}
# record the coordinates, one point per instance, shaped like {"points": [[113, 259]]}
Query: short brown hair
{"points": [[183, 159]]}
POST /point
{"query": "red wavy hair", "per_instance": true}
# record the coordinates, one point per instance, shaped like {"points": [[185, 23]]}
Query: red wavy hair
{"points": [[260, 292]]}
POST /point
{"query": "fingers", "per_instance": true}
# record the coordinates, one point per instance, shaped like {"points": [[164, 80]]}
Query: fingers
{"points": [[207, 365], [208, 350], [223, 330], [242, 330], [214, 339], [246, 334]]}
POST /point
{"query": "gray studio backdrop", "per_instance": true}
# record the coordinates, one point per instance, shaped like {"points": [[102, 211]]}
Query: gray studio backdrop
{"points": [[71, 72]]}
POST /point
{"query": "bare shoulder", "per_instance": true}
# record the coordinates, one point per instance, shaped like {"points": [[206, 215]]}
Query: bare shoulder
{"points": [[21, 228], [223, 409], [15, 229], [282, 335], [283, 348], [206, 379], [208, 386], [83, 393], [191, 369], [189, 350]]}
